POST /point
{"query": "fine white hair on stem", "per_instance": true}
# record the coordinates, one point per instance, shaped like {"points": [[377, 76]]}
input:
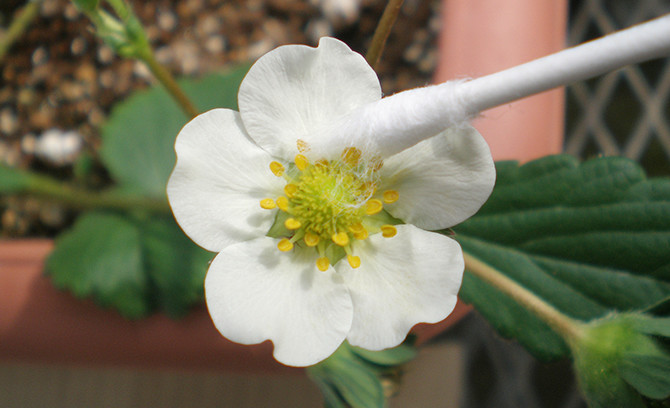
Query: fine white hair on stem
{"points": [[402, 120]]}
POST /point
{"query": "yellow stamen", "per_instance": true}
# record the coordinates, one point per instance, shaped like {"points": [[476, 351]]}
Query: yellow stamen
{"points": [[351, 156], [285, 245], [282, 203], [322, 263], [388, 231], [301, 162], [321, 163], [377, 163], [354, 261], [268, 204], [290, 189], [292, 224], [341, 238], [357, 228], [373, 207], [302, 146], [311, 239], [361, 235], [277, 168], [391, 196]]}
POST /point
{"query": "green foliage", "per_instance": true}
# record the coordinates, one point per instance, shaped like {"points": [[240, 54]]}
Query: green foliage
{"points": [[134, 261], [352, 377], [128, 263], [138, 138], [12, 180], [587, 238]]}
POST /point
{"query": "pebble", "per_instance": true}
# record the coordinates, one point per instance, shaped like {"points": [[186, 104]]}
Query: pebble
{"points": [[78, 46], [215, 44], [8, 121], [58, 147], [40, 56]]}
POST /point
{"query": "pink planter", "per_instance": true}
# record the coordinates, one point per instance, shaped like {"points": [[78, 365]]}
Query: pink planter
{"points": [[480, 37]]}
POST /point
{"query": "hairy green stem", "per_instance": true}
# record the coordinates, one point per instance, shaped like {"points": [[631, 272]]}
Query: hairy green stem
{"points": [[18, 26], [570, 329], [47, 188], [382, 32], [168, 81]]}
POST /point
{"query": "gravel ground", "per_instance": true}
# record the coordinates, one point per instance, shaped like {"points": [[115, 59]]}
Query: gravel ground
{"points": [[59, 81]]}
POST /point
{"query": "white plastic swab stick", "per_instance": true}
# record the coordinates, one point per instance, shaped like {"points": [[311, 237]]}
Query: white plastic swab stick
{"points": [[406, 118]]}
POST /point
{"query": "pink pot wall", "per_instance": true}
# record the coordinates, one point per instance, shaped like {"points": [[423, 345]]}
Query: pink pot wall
{"points": [[480, 37]]}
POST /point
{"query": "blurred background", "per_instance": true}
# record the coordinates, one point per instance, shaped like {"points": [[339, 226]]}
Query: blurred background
{"points": [[59, 83]]}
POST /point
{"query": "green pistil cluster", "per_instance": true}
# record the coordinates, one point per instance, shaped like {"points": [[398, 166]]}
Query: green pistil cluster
{"points": [[329, 204], [329, 199]]}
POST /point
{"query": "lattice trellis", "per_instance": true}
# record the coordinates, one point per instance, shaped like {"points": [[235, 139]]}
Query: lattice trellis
{"points": [[625, 112]]}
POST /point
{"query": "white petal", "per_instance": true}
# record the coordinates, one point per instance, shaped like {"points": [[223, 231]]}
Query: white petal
{"points": [[218, 182], [295, 91], [441, 181], [411, 278], [255, 292]]}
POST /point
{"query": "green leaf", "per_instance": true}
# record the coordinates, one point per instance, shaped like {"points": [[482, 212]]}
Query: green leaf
{"points": [[13, 180], [138, 140], [587, 238], [101, 256], [347, 380], [648, 374], [136, 265], [174, 264]]}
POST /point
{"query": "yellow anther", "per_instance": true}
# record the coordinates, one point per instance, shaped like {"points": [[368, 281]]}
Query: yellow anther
{"points": [[388, 231], [373, 207], [322, 263], [376, 163], [361, 235], [277, 168], [292, 224], [282, 203], [351, 156], [341, 238], [354, 261], [290, 189], [302, 146], [357, 228], [301, 162], [391, 196], [268, 204], [285, 245], [311, 239]]}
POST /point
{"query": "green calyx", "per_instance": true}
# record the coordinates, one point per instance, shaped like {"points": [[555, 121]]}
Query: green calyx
{"points": [[620, 363]]}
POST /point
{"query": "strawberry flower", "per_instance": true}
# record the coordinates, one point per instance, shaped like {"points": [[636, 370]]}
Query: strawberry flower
{"points": [[321, 241]]}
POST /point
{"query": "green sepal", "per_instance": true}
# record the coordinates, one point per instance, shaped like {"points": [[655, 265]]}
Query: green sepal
{"points": [[353, 377]]}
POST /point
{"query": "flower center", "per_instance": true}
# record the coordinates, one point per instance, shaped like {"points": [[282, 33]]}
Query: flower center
{"points": [[330, 204]]}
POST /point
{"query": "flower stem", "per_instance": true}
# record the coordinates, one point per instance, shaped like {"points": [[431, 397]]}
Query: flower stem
{"points": [[570, 329], [382, 32], [168, 81], [47, 188], [19, 25]]}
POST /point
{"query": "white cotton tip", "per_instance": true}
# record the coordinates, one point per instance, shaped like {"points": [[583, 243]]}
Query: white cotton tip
{"points": [[58, 147], [400, 121]]}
